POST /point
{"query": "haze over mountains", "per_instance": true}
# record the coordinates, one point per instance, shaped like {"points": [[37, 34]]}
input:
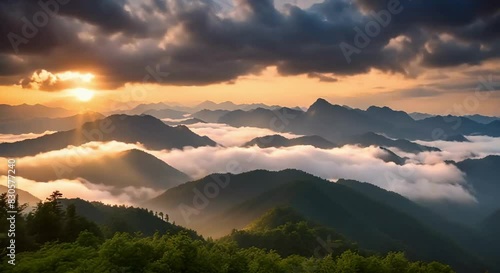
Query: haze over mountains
{"points": [[377, 180], [147, 130]]}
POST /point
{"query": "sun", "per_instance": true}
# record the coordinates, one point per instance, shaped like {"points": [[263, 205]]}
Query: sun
{"points": [[83, 94]]}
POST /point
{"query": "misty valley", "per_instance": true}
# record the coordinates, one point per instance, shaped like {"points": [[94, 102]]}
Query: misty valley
{"points": [[332, 188]]}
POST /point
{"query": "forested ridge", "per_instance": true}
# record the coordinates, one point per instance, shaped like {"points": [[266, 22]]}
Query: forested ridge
{"points": [[54, 238]]}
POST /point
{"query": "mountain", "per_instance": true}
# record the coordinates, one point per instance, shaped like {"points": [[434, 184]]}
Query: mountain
{"points": [[390, 156], [404, 145], [219, 203], [166, 113], [339, 124], [183, 122], [25, 111], [419, 116], [482, 119], [141, 108], [123, 219], [24, 196], [275, 120], [287, 232], [212, 116], [389, 115], [457, 138], [281, 141], [490, 228], [40, 125], [151, 132], [136, 169], [230, 106], [482, 174]]}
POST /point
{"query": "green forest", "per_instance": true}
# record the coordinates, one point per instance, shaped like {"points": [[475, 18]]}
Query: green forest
{"points": [[54, 238]]}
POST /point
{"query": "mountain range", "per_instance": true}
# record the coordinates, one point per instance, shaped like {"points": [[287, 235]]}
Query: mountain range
{"points": [[136, 169], [43, 124], [373, 225], [151, 132], [339, 124]]}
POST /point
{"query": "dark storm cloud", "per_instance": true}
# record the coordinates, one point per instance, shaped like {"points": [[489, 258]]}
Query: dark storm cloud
{"points": [[188, 42]]}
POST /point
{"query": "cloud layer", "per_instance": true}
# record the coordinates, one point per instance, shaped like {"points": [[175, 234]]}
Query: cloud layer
{"points": [[425, 176], [192, 43], [231, 136]]}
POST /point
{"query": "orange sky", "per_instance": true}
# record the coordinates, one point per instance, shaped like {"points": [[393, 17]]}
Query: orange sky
{"points": [[361, 91]]}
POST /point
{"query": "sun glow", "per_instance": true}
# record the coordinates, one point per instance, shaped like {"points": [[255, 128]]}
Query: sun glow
{"points": [[82, 94]]}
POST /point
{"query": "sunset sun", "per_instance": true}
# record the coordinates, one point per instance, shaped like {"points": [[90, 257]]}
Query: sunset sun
{"points": [[83, 94]]}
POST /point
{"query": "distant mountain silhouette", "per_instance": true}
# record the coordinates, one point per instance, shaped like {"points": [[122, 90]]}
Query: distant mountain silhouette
{"points": [[281, 141], [184, 122], [419, 116], [166, 113], [24, 197], [246, 197], [262, 118], [339, 124], [25, 111], [210, 115], [40, 125], [482, 119], [120, 169], [141, 108], [369, 139], [149, 131]]}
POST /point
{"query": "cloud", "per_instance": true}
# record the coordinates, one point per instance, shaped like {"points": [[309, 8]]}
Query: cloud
{"points": [[187, 43], [80, 188], [231, 136], [479, 147], [420, 182], [45, 81], [321, 77], [9, 138]]}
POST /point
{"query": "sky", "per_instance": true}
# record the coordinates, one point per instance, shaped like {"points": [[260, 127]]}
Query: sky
{"points": [[419, 56]]}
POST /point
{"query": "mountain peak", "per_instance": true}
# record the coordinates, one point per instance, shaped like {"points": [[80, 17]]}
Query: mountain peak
{"points": [[320, 102]]}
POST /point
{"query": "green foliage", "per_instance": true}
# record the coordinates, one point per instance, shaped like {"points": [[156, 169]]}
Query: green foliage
{"points": [[182, 253], [288, 233]]}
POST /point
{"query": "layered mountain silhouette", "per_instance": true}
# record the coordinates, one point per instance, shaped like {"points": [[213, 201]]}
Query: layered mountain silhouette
{"points": [[276, 120], [25, 111], [339, 124], [40, 125], [119, 170], [210, 115], [151, 132], [166, 113], [369, 139], [183, 122], [281, 141], [241, 199]]}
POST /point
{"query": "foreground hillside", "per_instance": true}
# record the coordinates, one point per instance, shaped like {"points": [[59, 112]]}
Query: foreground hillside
{"points": [[373, 225], [64, 241]]}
